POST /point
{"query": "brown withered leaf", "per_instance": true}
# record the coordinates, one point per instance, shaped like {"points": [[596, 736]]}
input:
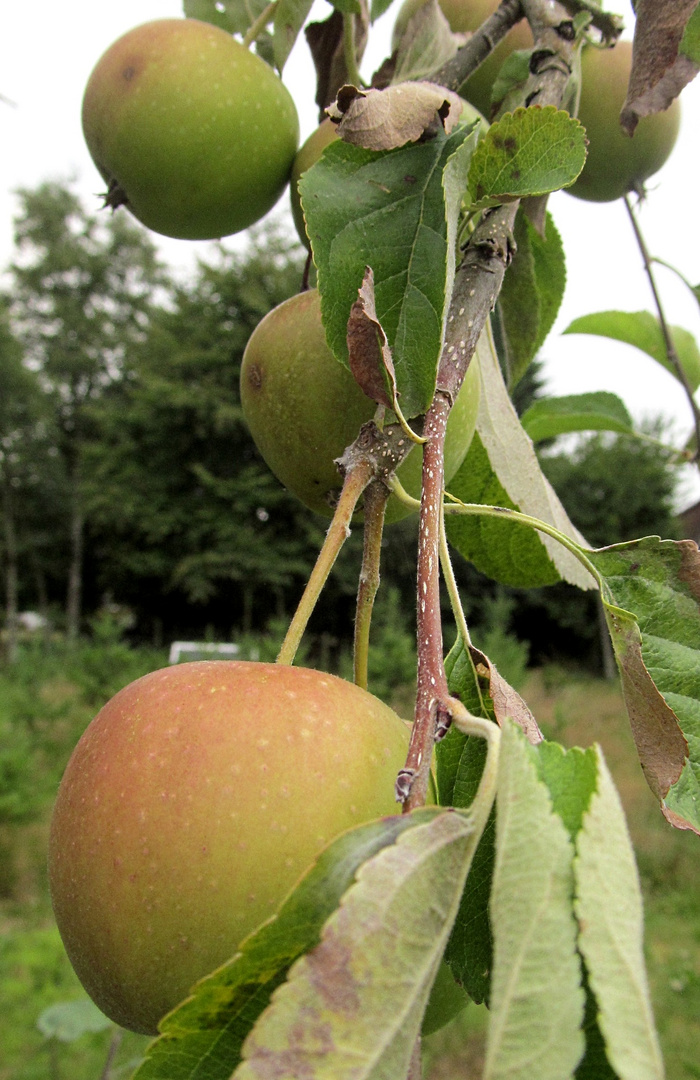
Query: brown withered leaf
{"points": [[369, 353], [400, 114], [660, 743], [658, 73], [505, 700]]}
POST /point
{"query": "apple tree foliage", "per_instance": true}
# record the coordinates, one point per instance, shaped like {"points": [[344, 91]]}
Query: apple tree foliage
{"points": [[522, 880]]}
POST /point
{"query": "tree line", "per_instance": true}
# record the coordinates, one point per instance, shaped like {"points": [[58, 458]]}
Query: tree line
{"points": [[127, 471]]}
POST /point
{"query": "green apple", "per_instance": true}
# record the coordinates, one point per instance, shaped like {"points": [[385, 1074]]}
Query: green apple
{"points": [[303, 408], [466, 16], [616, 163], [192, 132], [190, 807]]}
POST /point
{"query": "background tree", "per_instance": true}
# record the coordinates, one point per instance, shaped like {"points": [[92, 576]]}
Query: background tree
{"points": [[180, 501], [83, 290]]}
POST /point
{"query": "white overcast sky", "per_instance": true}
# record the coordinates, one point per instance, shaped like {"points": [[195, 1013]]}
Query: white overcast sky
{"points": [[47, 50]]}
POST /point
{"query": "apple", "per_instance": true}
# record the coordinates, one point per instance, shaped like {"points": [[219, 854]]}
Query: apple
{"points": [[192, 132], [466, 16], [617, 164], [303, 407], [190, 807]]}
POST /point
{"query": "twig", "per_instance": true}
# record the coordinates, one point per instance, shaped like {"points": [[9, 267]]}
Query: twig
{"points": [[114, 1044], [376, 495], [481, 44], [669, 345], [477, 285]]}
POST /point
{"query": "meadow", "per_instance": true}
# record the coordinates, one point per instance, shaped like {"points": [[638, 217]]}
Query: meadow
{"points": [[47, 699]]}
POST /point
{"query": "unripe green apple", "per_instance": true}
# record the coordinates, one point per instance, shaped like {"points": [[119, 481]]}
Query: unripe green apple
{"points": [[616, 163], [466, 16], [304, 408], [190, 807], [194, 133]]}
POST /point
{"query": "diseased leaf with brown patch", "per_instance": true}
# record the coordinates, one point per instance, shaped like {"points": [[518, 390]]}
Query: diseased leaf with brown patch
{"points": [[659, 72], [652, 603], [390, 118], [369, 354], [660, 743], [353, 1006]]}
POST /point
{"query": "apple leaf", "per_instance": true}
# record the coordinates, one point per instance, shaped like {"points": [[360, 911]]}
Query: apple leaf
{"points": [[289, 18], [426, 44], [537, 1000], [527, 152], [389, 119], [395, 216], [690, 42], [459, 764], [501, 469], [68, 1020], [532, 293], [599, 411], [608, 907], [234, 16], [353, 1006], [641, 329], [202, 1038], [652, 605]]}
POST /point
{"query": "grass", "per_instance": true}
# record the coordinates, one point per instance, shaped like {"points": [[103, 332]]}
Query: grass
{"points": [[49, 702]]}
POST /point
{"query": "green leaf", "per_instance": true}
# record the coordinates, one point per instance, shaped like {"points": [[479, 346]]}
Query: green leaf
{"points": [[202, 1038], [395, 216], [290, 16], [353, 1006], [609, 910], [690, 42], [600, 411], [641, 329], [532, 292], [378, 7], [537, 1001], [501, 469], [527, 152], [571, 777], [651, 600], [234, 16], [68, 1020]]}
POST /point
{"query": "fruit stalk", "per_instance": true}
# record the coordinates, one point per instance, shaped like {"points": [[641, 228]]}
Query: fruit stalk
{"points": [[356, 480], [375, 500]]}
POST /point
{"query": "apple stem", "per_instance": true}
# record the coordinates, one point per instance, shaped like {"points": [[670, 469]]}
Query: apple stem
{"points": [[350, 51], [376, 495], [356, 480], [669, 345], [259, 24]]}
